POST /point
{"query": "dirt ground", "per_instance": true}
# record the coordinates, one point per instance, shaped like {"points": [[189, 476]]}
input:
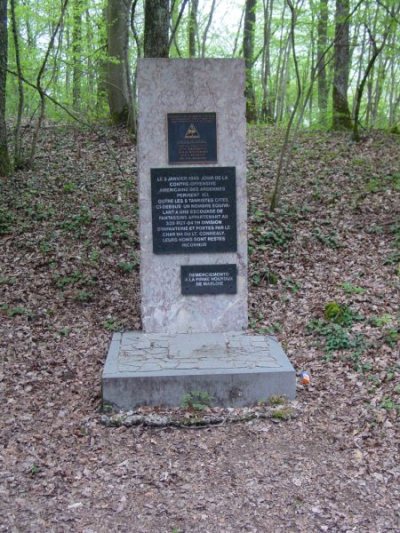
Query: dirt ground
{"points": [[324, 278]]}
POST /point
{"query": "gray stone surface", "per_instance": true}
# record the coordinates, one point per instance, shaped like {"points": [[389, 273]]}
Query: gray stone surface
{"points": [[159, 369], [177, 86]]}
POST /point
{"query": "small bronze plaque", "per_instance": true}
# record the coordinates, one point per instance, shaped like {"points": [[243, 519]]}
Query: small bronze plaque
{"points": [[192, 138], [193, 210], [208, 279]]}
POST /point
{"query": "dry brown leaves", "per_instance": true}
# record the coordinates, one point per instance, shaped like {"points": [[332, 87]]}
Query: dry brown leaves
{"points": [[69, 275]]}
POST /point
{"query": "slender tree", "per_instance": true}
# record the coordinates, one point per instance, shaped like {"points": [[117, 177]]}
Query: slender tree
{"points": [[376, 50], [248, 52], [193, 28], [206, 29], [322, 30], [341, 110], [4, 158], [76, 53], [39, 82], [175, 18], [18, 157], [267, 114], [284, 157], [117, 83]]}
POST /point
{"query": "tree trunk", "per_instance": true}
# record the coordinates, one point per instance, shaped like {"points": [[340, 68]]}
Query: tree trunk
{"points": [[205, 32], [76, 54], [117, 46], [193, 28], [360, 89], [282, 82], [4, 158], [91, 52], [283, 40], [379, 83], [174, 22], [393, 101], [248, 52], [311, 64], [322, 29], [267, 114], [341, 111], [18, 157], [156, 26]]}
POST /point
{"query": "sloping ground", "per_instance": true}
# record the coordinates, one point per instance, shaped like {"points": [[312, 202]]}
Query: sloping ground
{"points": [[324, 278]]}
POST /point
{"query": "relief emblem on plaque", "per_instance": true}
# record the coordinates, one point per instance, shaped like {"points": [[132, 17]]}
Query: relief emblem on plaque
{"points": [[192, 132]]}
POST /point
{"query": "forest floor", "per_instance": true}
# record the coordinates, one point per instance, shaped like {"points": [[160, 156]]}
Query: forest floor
{"points": [[324, 278]]}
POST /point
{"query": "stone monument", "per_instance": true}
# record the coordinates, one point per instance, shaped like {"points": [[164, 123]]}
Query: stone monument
{"points": [[193, 240]]}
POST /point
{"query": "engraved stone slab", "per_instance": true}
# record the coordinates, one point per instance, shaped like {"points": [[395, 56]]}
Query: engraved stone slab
{"points": [[209, 279], [193, 210], [173, 86], [192, 137], [156, 369]]}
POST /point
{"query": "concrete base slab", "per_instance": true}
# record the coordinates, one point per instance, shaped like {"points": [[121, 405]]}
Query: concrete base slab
{"points": [[235, 369]]}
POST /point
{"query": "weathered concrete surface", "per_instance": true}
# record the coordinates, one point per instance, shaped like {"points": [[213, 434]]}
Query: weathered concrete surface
{"points": [[177, 86], [159, 369]]}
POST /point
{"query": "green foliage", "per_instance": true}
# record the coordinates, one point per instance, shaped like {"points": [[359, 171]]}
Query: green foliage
{"points": [[393, 258], [285, 413], [6, 280], [83, 296], [273, 329], [340, 314], [39, 212], [327, 239], [338, 337], [292, 285], [336, 334], [116, 230], [94, 256], [46, 246], [273, 236], [107, 408], [7, 221], [389, 404], [355, 359], [77, 224], [15, 311], [64, 332], [377, 184], [69, 187], [72, 279], [391, 337], [382, 320], [196, 400], [34, 469], [395, 230], [349, 288], [126, 267], [85, 47], [264, 276], [78, 280], [112, 324], [276, 400]]}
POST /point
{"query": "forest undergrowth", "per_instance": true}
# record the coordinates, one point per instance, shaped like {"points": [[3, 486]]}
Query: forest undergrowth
{"points": [[324, 277]]}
